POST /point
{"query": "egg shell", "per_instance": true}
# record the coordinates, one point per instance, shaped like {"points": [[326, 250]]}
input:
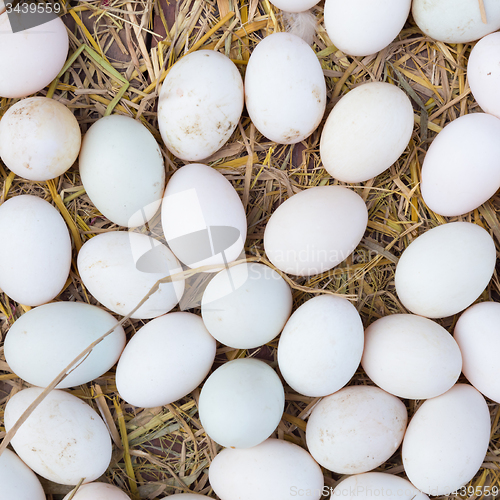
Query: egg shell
{"points": [[455, 21], [285, 89], [202, 216], [356, 429], [35, 250], [119, 269], [294, 5], [98, 491], [42, 52], [40, 344], [315, 230], [18, 481], [411, 357], [241, 403], [188, 352], [272, 470], [363, 27], [63, 440], [2, 7], [122, 170], [445, 269], [246, 306], [321, 346], [447, 440], [461, 169], [366, 132]]}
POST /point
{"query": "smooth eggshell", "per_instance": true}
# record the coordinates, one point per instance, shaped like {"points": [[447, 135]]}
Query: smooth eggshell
{"points": [[119, 268], [280, 468], [35, 250], [315, 230], [187, 354], [447, 440], [294, 5], [411, 357], [445, 269], [356, 429], [63, 440], [98, 491], [366, 132], [122, 170], [2, 7], [285, 90], [321, 346]]}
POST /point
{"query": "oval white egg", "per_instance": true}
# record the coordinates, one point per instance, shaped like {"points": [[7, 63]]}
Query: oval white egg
{"points": [[411, 357], [246, 306], [39, 345], [202, 216], [188, 352], [445, 269], [447, 440], [119, 269], [315, 230], [122, 170], [366, 132], [294, 5], [186, 496], [285, 90], [63, 440], [363, 27], [35, 250], [321, 346], [272, 470], [98, 491], [241, 403], [356, 429]]}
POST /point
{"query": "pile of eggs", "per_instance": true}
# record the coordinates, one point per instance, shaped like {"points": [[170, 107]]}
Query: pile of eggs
{"points": [[353, 429]]}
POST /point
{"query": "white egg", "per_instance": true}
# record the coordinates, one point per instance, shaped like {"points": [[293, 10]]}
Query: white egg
{"points": [[202, 216], [461, 169], [39, 345], [411, 357], [455, 21], [272, 470], [188, 352], [294, 5], [63, 440], [447, 440], [285, 90], [186, 496], [321, 346], [241, 403], [122, 170], [18, 481], [246, 306], [197, 115], [363, 27], [366, 132], [315, 230], [34, 56], [119, 269], [98, 491], [2, 7], [445, 269], [356, 429], [35, 250]]}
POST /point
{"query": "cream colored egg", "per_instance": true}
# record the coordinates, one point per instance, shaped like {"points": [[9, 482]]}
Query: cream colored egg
{"points": [[315, 230], [356, 429], [39, 138], [285, 90], [461, 169], [187, 354], [456, 21], [122, 170], [363, 27], [447, 440], [35, 250], [294, 5], [321, 346], [366, 132], [445, 269], [120, 268], [34, 56], [98, 491], [411, 357], [63, 440], [272, 470]]}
